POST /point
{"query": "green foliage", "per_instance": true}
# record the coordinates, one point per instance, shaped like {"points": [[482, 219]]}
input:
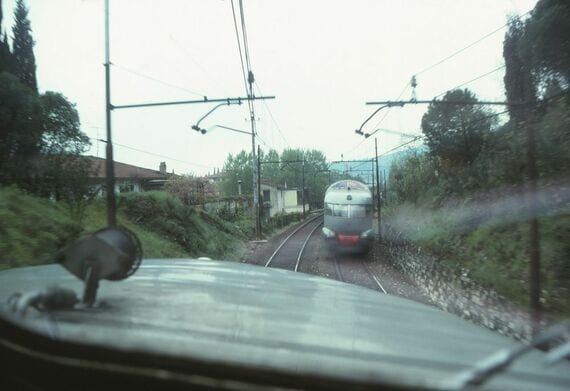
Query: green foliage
{"points": [[6, 58], [508, 243], [553, 139], [199, 233], [412, 175], [520, 83], [61, 172], [32, 230], [20, 131], [546, 43], [456, 133], [190, 190], [288, 173], [40, 137], [23, 47], [280, 220], [238, 168], [61, 127]]}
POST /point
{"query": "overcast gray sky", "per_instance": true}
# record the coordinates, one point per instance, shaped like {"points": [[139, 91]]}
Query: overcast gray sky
{"points": [[321, 59]]}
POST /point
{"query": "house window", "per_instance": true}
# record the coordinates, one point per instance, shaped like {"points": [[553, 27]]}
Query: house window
{"points": [[126, 188], [266, 196]]}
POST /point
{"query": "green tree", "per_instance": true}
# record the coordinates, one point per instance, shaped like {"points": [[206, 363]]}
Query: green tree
{"points": [[546, 43], [457, 133], [316, 182], [238, 168], [287, 173], [23, 47], [414, 176], [520, 84], [6, 58], [61, 126], [190, 190], [63, 172], [20, 132], [270, 171]]}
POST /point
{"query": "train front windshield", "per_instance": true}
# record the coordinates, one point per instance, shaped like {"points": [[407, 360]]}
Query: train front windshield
{"points": [[349, 211]]}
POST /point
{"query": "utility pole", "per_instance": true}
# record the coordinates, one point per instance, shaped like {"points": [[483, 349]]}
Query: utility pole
{"points": [[534, 239], [373, 187], [378, 203], [259, 186], [385, 188], [250, 80], [303, 190], [109, 162]]}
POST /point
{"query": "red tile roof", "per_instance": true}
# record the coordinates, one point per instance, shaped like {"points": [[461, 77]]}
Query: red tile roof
{"points": [[123, 170]]}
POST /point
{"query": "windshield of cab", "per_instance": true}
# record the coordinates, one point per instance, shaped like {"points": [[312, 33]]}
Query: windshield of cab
{"points": [[137, 137]]}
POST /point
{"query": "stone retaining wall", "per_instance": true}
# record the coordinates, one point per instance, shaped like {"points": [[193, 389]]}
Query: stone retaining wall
{"points": [[456, 292]]}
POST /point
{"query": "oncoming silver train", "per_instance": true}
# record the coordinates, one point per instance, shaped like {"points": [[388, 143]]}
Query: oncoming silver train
{"points": [[348, 215]]}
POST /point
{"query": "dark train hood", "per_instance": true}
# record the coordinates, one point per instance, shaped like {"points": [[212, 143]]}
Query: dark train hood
{"points": [[273, 319]]}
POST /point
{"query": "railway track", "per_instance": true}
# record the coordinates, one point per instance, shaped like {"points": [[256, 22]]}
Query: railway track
{"points": [[349, 268], [289, 253], [352, 273]]}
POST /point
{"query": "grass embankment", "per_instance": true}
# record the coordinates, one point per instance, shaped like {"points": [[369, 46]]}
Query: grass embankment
{"points": [[494, 250], [32, 229]]}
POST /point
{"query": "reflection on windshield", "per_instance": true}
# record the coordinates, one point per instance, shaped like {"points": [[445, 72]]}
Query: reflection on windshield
{"points": [[446, 143]]}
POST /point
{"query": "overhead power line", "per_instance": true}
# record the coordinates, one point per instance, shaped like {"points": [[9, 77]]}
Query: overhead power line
{"points": [[191, 56], [151, 153], [381, 119], [244, 35], [471, 81], [437, 63], [272, 117], [144, 76], [400, 146], [244, 74]]}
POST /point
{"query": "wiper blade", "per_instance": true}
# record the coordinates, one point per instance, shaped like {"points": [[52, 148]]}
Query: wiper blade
{"points": [[503, 358]]}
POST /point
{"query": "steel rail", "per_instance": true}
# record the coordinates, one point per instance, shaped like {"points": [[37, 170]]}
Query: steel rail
{"points": [[337, 269], [289, 237], [369, 270], [305, 244]]}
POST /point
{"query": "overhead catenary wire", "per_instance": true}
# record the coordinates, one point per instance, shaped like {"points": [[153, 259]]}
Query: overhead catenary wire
{"points": [[443, 60], [190, 56], [455, 53], [244, 74], [152, 153], [272, 117], [156, 80], [244, 35], [471, 81], [400, 146], [381, 119]]}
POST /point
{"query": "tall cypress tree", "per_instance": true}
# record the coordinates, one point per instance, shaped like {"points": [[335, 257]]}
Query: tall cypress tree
{"points": [[6, 60], [23, 47], [520, 85]]}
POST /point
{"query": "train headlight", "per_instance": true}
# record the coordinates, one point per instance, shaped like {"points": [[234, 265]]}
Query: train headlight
{"points": [[367, 234], [328, 232]]}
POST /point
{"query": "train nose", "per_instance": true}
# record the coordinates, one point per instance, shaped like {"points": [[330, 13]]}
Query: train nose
{"points": [[347, 240]]}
